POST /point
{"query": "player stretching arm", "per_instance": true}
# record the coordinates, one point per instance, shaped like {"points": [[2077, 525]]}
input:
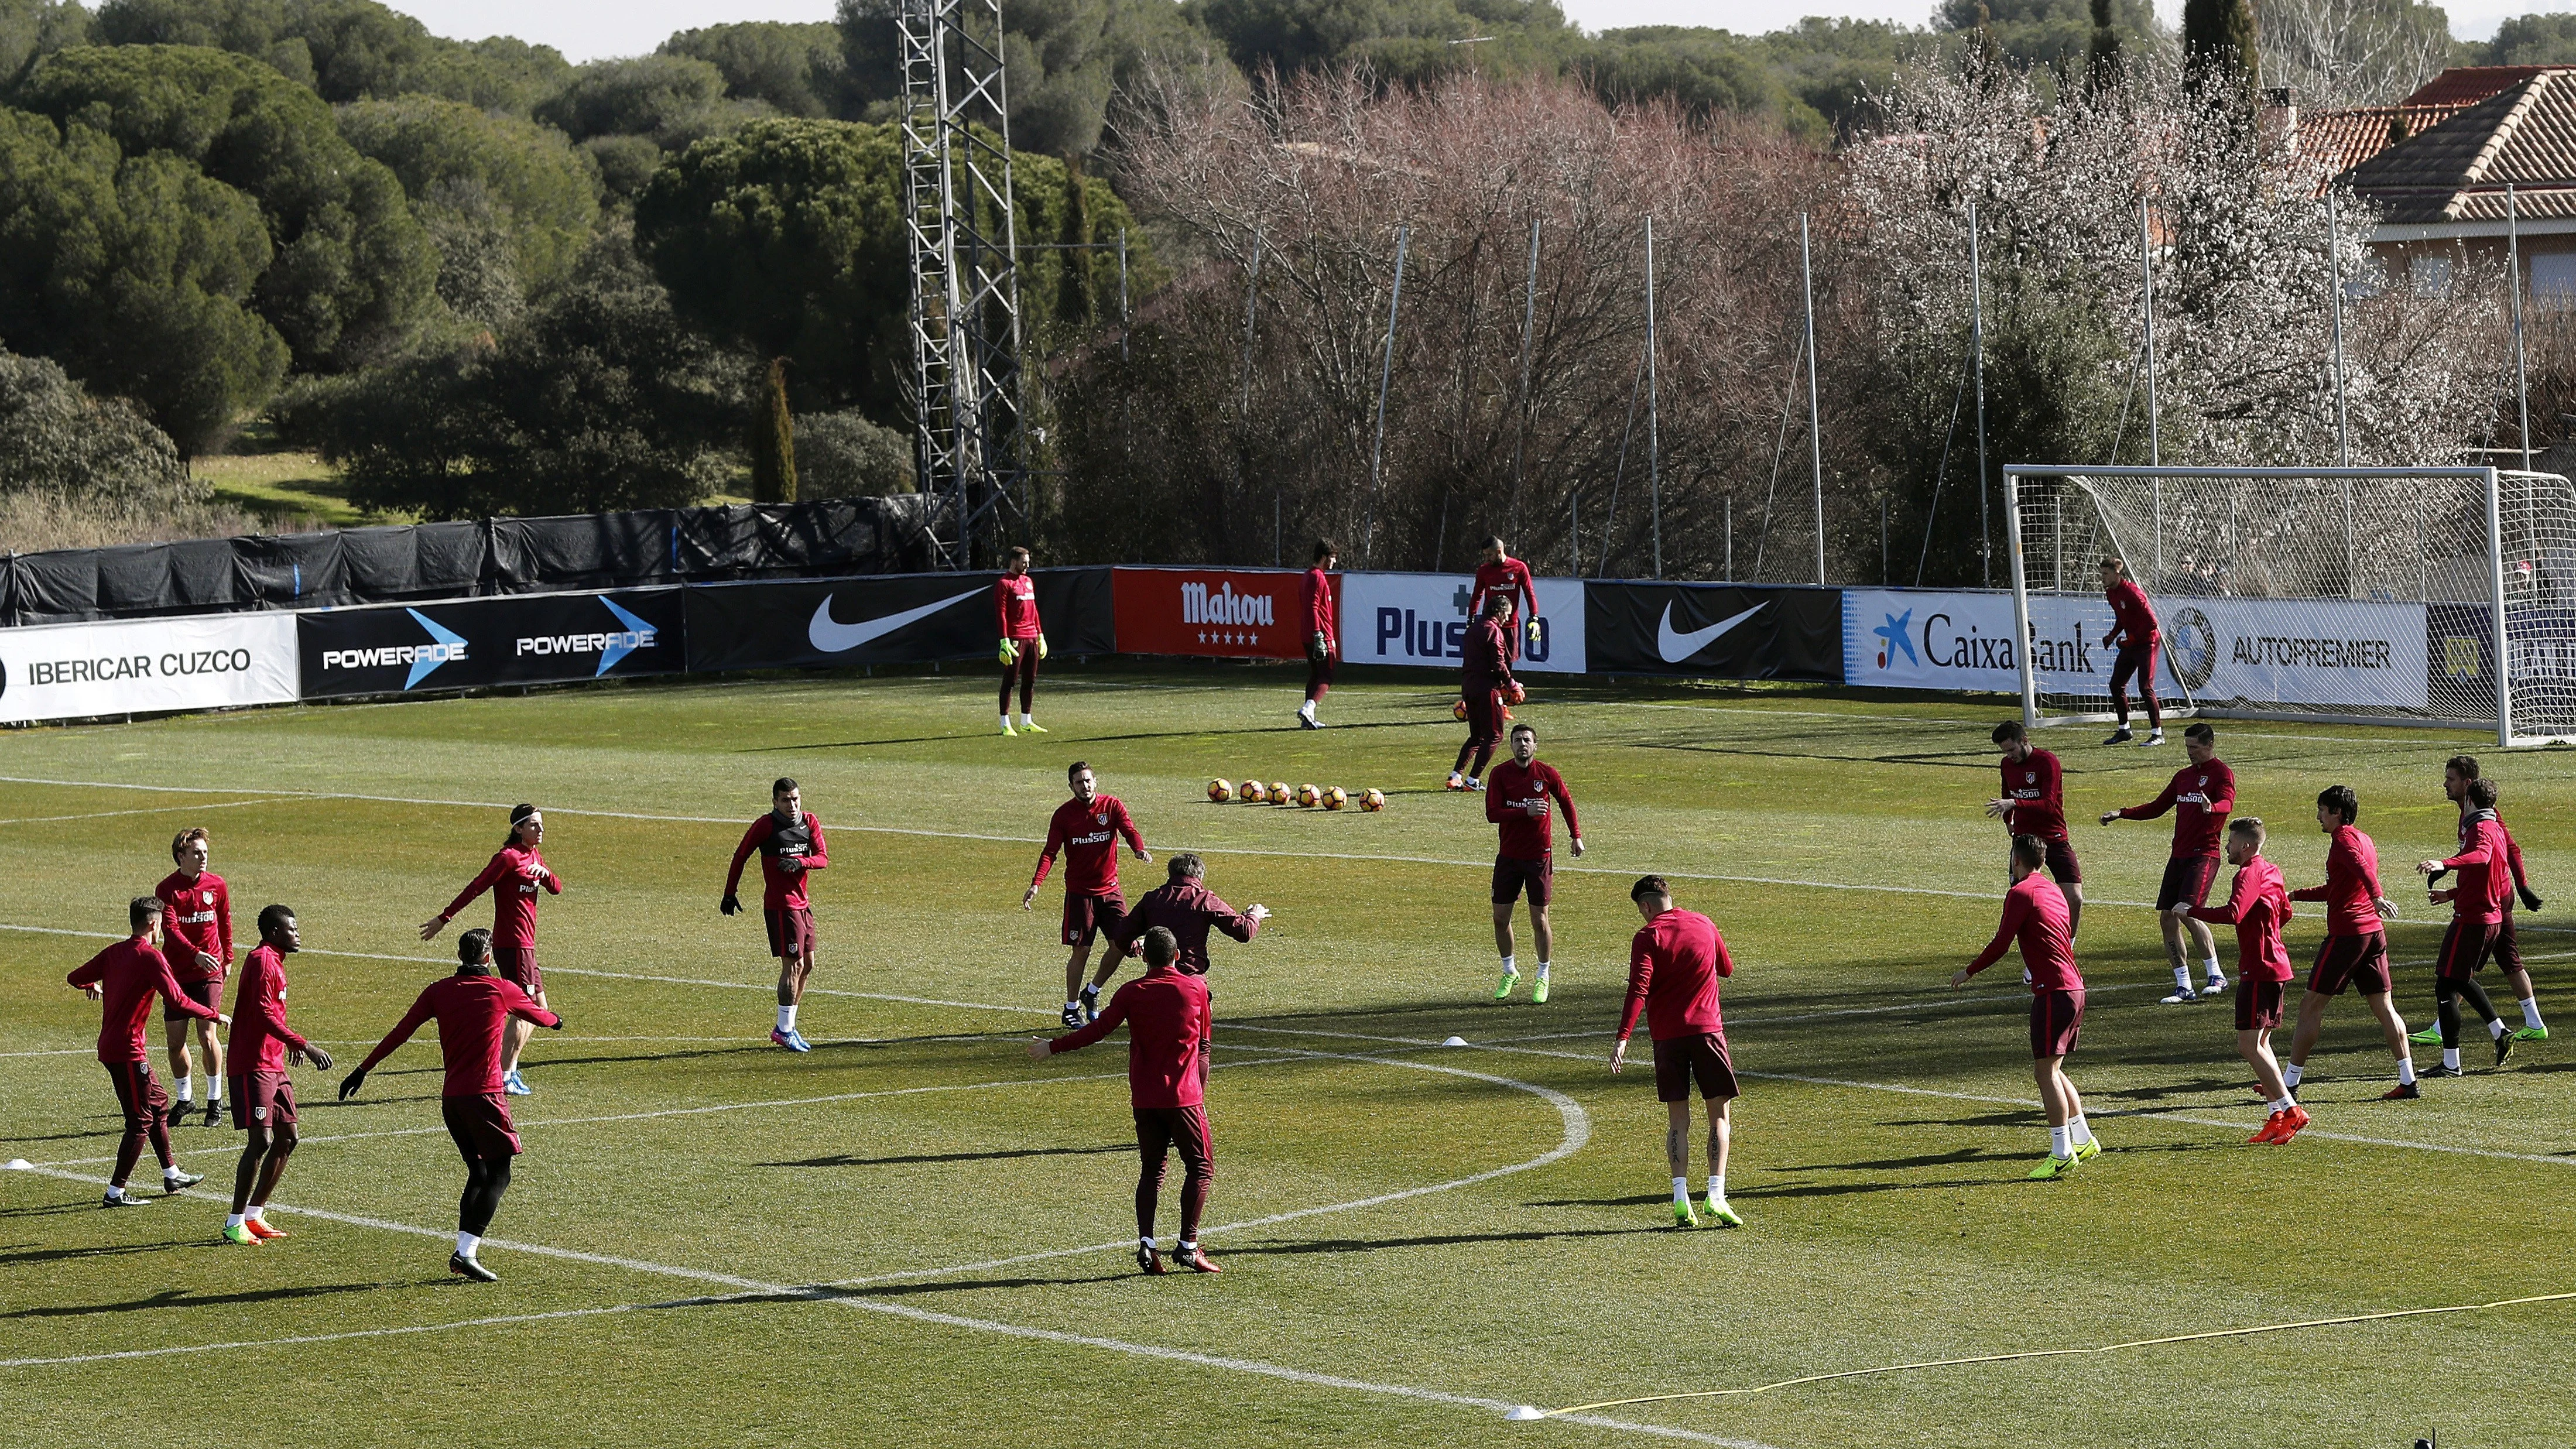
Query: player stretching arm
{"points": [[1166, 1012], [470, 1007], [197, 937], [1500, 573], [2034, 803], [1517, 800], [2477, 914], [125, 977], [790, 842], [2133, 624], [2258, 906], [2200, 795], [1086, 828], [1323, 640], [2036, 917], [2355, 950], [513, 876], [1015, 613], [1482, 679], [2458, 773], [1674, 962], [263, 1095]]}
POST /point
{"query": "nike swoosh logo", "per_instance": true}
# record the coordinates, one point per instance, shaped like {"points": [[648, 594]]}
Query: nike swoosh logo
{"points": [[1677, 647], [831, 637]]}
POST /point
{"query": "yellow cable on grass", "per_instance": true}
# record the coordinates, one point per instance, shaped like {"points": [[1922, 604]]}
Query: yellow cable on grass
{"points": [[1525, 1413]]}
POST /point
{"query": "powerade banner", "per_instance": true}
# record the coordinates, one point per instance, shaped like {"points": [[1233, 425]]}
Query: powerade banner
{"points": [[1215, 613], [469, 643], [1729, 631], [898, 619], [139, 666], [1421, 619], [2227, 651]]}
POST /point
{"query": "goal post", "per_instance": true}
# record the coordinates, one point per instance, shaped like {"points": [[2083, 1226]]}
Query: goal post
{"points": [[2431, 596]]}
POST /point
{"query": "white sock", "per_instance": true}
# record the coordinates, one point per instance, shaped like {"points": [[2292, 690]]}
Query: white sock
{"points": [[116, 1190], [2530, 1009], [169, 1171], [1025, 719], [1717, 1186], [258, 1213], [1146, 1242], [187, 1089], [1542, 971], [1681, 1192], [2495, 1028], [1307, 709], [2283, 1105], [787, 1018], [1186, 1247], [2211, 966], [2406, 1071], [2061, 1141], [2451, 1058], [214, 1090], [1006, 719], [1511, 966], [466, 1243], [2182, 978], [2290, 1074], [235, 1220], [2079, 1131]]}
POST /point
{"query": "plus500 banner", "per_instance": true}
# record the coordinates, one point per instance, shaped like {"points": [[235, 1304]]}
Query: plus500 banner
{"points": [[1421, 619], [522, 639], [2259, 651], [138, 666]]}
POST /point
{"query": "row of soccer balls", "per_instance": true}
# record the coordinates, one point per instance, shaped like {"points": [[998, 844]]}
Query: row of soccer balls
{"points": [[1330, 797]]}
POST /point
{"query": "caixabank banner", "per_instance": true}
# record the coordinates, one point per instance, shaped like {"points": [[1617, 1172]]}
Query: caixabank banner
{"points": [[1421, 619], [140, 666], [1214, 613], [892, 619], [470, 643], [1727, 631]]}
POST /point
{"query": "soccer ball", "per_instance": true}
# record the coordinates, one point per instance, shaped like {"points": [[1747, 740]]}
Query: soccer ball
{"points": [[1335, 797], [1279, 793], [1516, 694], [1220, 791], [1373, 800], [1251, 792], [1458, 709], [1309, 796]]}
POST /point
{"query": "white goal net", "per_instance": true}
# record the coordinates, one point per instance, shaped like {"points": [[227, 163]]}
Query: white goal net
{"points": [[2387, 596]]}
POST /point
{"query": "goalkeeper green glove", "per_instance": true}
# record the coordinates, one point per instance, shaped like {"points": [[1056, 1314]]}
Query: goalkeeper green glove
{"points": [[1041, 646], [1009, 655]]}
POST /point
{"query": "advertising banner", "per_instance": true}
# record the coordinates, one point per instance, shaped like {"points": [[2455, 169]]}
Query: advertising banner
{"points": [[2227, 651], [469, 643], [137, 666], [1728, 631], [1421, 619], [900, 619], [1215, 613]]}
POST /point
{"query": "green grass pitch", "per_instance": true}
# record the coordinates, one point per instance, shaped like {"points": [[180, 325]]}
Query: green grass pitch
{"points": [[918, 1236]]}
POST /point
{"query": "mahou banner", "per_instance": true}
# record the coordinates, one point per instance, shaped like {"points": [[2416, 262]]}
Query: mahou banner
{"points": [[1212, 613]]}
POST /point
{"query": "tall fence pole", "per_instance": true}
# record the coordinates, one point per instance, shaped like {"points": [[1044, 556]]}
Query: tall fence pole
{"points": [[1977, 353], [2155, 451], [1122, 294], [1654, 456], [1730, 538], [2334, 252], [1243, 410], [1385, 376], [1529, 328], [2513, 264], [1815, 435]]}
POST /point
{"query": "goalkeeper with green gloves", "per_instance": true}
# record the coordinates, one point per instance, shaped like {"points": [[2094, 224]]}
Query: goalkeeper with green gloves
{"points": [[1015, 608]]}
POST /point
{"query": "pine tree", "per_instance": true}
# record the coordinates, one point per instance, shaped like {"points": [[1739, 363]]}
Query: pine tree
{"points": [[773, 441], [2102, 53], [1073, 292], [2219, 50]]}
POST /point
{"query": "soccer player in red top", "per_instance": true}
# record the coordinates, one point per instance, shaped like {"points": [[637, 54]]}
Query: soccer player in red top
{"points": [[197, 936], [2200, 795], [1015, 612], [125, 977], [1323, 640], [2133, 624], [2457, 774], [2355, 950], [514, 875], [2035, 918], [1486, 673], [1184, 906], [263, 1096], [2034, 803], [1086, 828], [471, 1009], [1674, 962], [2258, 906], [1516, 799], [2477, 912], [1500, 573], [1167, 1018], [790, 842]]}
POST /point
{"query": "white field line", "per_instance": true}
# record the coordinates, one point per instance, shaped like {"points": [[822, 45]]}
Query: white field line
{"points": [[152, 810], [496, 1321]]}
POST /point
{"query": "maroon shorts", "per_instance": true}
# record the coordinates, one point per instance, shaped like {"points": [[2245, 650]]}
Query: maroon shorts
{"points": [[1511, 875], [138, 1092], [1084, 917], [1161, 1129], [481, 1126], [791, 932], [2507, 953], [2351, 961], [2060, 855], [1484, 714], [518, 966], [262, 1099], [2187, 880], [206, 991], [2465, 948], [2056, 1019], [1684, 1058], [2258, 1003]]}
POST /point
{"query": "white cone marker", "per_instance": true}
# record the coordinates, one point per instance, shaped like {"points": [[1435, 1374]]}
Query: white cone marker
{"points": [[1524, 1414], [1455, 1041], [19, 1164]]}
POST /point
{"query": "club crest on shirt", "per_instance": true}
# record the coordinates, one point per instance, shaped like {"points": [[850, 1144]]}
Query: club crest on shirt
{"points": [[259, 1114], [1099, 817], [208, 897], [2031, 779]]}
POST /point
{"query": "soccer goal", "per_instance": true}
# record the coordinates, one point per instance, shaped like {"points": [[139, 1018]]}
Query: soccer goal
{"points": [[2438, 596]]}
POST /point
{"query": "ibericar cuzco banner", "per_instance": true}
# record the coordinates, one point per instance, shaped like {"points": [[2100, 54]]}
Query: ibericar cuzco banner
{"points": [[2315, 652], [469, 643], [146, 666]]}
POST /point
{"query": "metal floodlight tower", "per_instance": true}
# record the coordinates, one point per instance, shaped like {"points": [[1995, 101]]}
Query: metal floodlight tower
{"points": [[963, 234]]}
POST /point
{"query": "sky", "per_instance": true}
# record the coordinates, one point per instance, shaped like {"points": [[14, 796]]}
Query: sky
{"points": [[590, 29]]}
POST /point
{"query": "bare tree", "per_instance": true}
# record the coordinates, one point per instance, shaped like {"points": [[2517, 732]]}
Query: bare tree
{"points": [[2339, 53]]}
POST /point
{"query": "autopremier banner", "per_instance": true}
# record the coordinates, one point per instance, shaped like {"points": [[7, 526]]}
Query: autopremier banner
{"points": [[2227, 651], [470, 643], [1421, 619], [140, 666], [1727, 631], [893, 619]]}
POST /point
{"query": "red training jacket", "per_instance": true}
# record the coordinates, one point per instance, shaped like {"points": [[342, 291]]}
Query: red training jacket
{"points": [[261, 1037], [1510, 787], [2258, 906], [196, 915], [127, 975], [511, 878], [780, 888], [469, 1011], [2351, 891], [2035, 916], [1674, 962], [1088, 836], [1015, 606], [1167, 1018]]}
